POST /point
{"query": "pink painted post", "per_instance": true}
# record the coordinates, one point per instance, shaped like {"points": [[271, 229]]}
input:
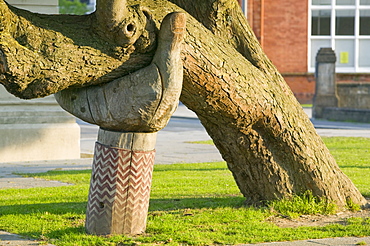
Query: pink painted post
{"points": [[120, 188]]}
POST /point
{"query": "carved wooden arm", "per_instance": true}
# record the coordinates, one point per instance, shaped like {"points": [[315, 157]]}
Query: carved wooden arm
{"points": [[139, 102]]}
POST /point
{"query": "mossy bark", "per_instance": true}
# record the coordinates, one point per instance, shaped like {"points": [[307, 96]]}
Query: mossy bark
{"points": [[269, 143], [47, 53]]}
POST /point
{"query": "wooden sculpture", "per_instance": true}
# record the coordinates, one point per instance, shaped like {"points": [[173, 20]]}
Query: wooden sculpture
{"points": [[129, 110]]}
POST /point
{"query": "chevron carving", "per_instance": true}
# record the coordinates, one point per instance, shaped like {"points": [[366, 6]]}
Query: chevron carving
{"points": [[119, 191]]}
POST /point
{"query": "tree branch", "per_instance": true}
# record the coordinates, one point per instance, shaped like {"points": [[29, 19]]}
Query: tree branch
{"points": [[47, 53]]}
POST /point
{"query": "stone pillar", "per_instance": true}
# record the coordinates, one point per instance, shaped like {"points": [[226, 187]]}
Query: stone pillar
{"points": [[326, 92], [120, 183]]}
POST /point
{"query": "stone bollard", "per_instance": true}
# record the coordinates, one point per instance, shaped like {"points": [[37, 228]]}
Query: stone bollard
{"points": [[326, 92]]}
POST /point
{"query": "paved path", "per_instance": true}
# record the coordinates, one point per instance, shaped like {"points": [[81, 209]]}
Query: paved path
{"points": [[342, 241], [172, 147], [9, 239]]}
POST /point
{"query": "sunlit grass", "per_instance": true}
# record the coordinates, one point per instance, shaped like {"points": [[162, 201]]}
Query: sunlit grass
{"points": [[303, 204], [353, 157], [191, 204]]}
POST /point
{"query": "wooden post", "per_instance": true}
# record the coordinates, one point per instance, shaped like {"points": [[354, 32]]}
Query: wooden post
{"points": [[120, 183]]}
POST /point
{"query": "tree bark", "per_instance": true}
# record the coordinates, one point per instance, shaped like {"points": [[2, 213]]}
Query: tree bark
{"points": [[259, 127], [269, 143], [43, 54]]}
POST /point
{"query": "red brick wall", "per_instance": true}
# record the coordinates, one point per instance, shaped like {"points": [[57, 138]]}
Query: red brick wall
{"points": [[285, 34], [282, 31], [302, 85], [353, 78], [254, 17]]}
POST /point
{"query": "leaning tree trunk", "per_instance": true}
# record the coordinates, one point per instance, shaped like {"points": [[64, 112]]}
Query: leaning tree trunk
{"points": [[269, 143], [259, 127]]}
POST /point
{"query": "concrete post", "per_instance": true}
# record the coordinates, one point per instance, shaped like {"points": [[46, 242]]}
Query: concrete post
{"points": [[326, 92]]}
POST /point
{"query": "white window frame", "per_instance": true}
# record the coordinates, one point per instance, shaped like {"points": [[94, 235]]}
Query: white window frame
{"points": [[245, 7], [333, 37]]}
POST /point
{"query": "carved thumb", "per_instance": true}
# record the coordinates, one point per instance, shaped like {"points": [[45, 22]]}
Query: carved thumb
{"points": [[168, 61]]}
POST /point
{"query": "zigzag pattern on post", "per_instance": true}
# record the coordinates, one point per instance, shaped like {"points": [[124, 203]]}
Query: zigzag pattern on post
{"points": [[119, 191]]}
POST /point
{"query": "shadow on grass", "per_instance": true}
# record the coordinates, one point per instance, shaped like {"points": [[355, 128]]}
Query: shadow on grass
{"points": [[196, 203], [73, 213], [190, 169], [355, 167], [51, 208], [155, 205]]}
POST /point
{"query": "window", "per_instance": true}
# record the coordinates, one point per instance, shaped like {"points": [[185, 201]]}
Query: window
{"points": [[321, 20], [343, 25]]}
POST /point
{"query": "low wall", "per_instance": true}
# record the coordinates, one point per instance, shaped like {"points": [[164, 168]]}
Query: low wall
{"points": [[354, 95], [353, 105], [347, 114]]}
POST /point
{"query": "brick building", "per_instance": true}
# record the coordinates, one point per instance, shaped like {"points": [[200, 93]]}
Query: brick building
{"points": [[292, 31]]}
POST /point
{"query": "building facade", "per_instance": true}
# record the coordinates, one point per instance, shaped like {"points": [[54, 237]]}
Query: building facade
{"points": [[291, 32]]}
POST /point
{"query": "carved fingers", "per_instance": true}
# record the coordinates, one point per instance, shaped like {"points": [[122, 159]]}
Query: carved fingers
{"points": [[139, 102]]}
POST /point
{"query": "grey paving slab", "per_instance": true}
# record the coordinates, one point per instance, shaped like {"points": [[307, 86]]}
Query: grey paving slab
{"points": [[343, 241], [16, 240], [10, 179], [24, 183]]}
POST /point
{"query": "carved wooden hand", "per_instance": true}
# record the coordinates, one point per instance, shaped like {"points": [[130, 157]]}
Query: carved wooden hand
{"points": [[139, 102]]}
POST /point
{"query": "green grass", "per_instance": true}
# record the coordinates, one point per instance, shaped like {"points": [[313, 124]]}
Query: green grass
{"points": [[353, 156], [72, 7], [361, 243], [210, 142], [191, 204], [303, 204]]}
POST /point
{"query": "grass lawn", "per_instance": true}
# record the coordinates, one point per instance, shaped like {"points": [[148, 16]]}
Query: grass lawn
{"points": [[191, 204]]}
